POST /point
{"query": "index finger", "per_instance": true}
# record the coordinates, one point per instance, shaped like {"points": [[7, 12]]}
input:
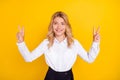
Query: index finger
{"points": [[94, 32], [22, 30], [98, 30]]}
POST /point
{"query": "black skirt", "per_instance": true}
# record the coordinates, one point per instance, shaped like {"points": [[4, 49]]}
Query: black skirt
{"points": [[53, 75]]}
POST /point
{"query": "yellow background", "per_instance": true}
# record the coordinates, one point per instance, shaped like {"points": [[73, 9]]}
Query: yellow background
{"points": [[35, 15]]}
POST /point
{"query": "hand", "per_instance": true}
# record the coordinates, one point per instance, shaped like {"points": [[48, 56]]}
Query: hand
{"points": [[20, 35], [96, 35]]}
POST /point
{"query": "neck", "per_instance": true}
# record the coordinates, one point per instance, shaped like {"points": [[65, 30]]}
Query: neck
{"points": [[60, 38]]}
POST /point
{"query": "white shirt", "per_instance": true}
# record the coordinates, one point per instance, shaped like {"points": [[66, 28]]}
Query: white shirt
{"points": [[59, 57]]}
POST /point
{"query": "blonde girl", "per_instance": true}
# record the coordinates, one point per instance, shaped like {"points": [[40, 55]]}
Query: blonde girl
{"points": [[60, 48]]}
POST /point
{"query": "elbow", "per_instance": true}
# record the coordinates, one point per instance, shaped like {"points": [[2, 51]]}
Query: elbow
{"points": [[28, 60], [91, 61]]}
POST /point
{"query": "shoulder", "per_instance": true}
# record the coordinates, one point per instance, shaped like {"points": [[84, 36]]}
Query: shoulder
{"points": [[75, 40], [45, 41]]}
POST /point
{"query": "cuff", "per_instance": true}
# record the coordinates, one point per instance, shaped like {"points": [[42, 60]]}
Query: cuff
{"points": [[20, 44], [96, 43]]}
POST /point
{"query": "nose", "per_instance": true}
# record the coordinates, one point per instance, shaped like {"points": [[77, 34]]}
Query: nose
{"points": [[58, 26]]}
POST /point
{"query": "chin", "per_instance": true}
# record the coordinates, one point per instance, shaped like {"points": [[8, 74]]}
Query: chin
{"points": [[59, 34]]}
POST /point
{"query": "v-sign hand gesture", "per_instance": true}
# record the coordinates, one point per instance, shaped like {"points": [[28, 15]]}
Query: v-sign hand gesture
{"points": [[96, 35], [20, 34]]}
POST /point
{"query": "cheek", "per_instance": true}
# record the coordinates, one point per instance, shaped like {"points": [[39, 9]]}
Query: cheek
{"points": [[64, 28], [54, 27]]}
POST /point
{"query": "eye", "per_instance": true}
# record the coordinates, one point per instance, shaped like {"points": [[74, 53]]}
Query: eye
{"points": [[62, 23], [54, 23]]}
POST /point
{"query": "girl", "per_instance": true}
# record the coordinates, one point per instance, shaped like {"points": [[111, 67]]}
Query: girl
{"points": [[60, 48]]}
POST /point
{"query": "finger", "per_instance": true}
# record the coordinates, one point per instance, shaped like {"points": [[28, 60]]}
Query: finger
{"points": [[98, 38], [18, 35], [98, 30], [22, 31], [94, 32], [19, 28], [97, 34]]}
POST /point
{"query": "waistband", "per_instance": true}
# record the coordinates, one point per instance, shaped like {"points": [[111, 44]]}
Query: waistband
{"points": [[58, 71]]}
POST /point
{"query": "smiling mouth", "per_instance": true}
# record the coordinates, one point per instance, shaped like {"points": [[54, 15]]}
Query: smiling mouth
{"points": [[59, 30]]}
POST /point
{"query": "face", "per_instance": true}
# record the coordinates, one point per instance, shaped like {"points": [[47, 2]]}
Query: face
{"points": [[59, 26]]}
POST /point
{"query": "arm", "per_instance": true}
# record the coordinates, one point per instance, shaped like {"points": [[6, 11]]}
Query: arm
{"points": [[27, 55], [89, 56], [94, 50], [30, 56]]}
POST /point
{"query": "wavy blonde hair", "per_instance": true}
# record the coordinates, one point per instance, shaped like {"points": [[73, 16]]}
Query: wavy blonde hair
{"points": [[68, 31]]}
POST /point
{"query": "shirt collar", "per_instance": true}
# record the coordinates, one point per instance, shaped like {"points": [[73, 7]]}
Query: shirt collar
{"points": [[64, 41]]}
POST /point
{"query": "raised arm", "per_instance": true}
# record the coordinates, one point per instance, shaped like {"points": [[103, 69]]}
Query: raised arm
{"points": [[91, 55], [24, 51]]}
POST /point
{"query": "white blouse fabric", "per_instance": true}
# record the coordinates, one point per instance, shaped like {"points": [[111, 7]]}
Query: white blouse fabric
{"points": [[59, 57]]}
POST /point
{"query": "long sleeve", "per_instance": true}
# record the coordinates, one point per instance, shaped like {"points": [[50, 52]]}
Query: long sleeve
{"points": [[88, 56], [30, 56]]}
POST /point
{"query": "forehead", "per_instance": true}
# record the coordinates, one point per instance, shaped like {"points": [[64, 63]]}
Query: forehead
{"points": [[58, 19]]}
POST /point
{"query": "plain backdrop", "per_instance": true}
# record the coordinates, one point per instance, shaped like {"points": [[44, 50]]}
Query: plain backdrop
{"points": [[35, 16]]}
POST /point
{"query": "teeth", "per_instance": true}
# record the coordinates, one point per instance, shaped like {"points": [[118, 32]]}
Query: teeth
{"points": [[58, 30]]}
